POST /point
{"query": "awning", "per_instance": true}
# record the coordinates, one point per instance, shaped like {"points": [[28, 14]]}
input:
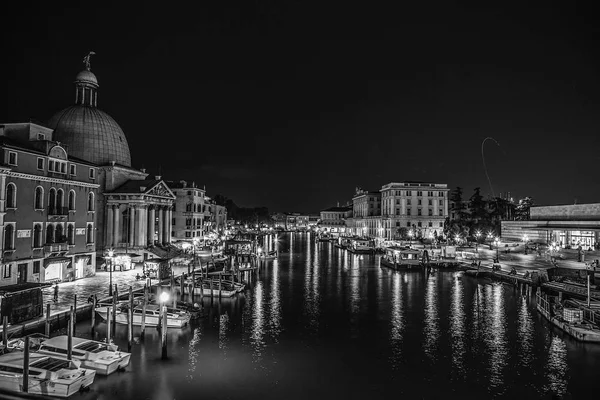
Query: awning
{"points": [[56, 260], [86, 259]]}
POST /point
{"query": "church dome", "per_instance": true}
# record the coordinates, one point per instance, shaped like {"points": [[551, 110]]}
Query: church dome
{"points": [[90, 134]]}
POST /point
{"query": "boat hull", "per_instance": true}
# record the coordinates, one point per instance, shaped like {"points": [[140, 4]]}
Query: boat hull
{"points": [[151, 320], [402, 265], [581, 334], [58, 388]]}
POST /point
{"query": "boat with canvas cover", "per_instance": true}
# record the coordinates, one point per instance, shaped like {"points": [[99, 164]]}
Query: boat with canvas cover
{"points": [[48, 375], [104, 358], [176, 318]]}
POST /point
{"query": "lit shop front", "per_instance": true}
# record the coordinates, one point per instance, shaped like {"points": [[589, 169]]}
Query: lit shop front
{"points": [[56, 269]]}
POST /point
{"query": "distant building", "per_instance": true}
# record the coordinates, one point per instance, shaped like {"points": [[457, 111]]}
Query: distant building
{"points": [[568, 226], [366, 214], [47, 208], [188, 210], [417, 206], [333, 220]]}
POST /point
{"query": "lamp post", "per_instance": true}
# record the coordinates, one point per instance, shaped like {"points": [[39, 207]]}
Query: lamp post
{"points": [[457, 239], [410, 235], [477, 235], [110, 268], [490, 237], [497, 243]]}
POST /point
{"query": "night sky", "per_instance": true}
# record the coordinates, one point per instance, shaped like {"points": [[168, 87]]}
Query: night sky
{"points": [[291, 105]]}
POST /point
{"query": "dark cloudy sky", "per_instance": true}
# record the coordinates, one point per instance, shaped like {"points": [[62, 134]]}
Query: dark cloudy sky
{"points": [[292, 104]]}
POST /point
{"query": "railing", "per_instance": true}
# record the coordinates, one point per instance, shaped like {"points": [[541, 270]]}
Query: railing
{"points": [[56, 247]]}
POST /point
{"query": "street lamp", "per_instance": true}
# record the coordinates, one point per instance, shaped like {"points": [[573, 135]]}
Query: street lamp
{"points": [[477, 235], [163, 298], [410, 235], [490, 237], [456, 238], [111, 253], [497, 243]]}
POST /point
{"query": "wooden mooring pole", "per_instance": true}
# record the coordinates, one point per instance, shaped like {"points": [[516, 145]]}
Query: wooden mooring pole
{"points": [[70, 336], [48, 320], [5, 331], [144, 302], [74, 310], [220, 285], [114, 308], [26, 365], [181, 283], [108, 323], [163, 334], [93, 319], [130, 321]]}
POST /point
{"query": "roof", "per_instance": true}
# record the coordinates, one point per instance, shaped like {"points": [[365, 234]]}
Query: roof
{"points": [[337, 209], [146, 186], [21, 287]]}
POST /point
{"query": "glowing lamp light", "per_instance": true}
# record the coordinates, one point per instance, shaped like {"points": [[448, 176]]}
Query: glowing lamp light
{"points": [[164, 297], [259, 250], [111, 253]]}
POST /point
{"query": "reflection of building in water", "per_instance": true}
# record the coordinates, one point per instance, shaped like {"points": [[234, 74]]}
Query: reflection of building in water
{"points": [[556, 369], [496, 340], [567, 225]]}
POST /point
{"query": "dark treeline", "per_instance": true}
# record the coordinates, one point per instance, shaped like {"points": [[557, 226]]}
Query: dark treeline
{"points": [[245, 215]]}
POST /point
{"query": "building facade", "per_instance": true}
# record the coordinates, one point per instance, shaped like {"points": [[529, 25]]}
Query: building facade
{"points": [[188, 211], [333, 220], [417, 206], [47, 208], [568, 226], [366, 214]]}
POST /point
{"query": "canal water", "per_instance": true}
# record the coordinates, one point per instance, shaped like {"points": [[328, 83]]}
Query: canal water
{"points": [[322, 323]]}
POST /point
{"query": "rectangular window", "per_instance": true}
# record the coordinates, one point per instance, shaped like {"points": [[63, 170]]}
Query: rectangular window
{"points": [[40, 164], [408, 211], [441, 212], [187, 234], [430, 202], [36, 267], [408, 193], [50, 165], [63, 168], [189, 192], [419, 193], [408, 202], [430, 224], [441, 202], [441, 224], [41, 136], [419, 224], [72, 169], [397, 223], [92, 173], [408, 224], [7, 271], [430, 212], [419, 202], [397, 211], [419, 211], [441, 194], [12, 158]]}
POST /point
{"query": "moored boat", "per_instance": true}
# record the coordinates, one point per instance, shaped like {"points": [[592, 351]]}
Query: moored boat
{"points": [[402, 258], [569, 319], [48, 375], [361, 246], [104, 358], [176, 318]]}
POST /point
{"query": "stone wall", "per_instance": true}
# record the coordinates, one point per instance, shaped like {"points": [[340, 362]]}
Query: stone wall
{"points": [[514, 231], [580, 212]]}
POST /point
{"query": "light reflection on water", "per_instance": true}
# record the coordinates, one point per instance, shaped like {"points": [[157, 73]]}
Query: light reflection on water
{"points": [[397, 322], [431, 330], [457, 330], [304, 334]]}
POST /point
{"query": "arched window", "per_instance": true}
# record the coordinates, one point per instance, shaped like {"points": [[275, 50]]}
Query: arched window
{"points": [[11, 196], [37, 236], [9, 240], [59, 233], [52, 200], [39, 198], [70, 234], [90, 234], [50, 234], [72, 200], [91, 201], [60, 195]]}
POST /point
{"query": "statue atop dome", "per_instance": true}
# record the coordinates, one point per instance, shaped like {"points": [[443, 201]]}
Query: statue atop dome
{"points": [[86, 60]]}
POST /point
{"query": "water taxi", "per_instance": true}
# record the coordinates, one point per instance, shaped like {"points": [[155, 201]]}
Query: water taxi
{"points": [[48, 375], [569, 319], [361, 246], [104, 358]]}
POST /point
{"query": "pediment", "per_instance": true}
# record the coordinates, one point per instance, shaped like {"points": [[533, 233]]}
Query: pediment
{"points": [[161, 190]]}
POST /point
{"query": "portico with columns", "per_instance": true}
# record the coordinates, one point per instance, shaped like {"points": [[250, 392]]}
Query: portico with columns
{"points": [[138, 215]]}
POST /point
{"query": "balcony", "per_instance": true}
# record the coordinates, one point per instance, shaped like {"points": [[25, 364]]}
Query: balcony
{"points": [[58, 213], [55, 249]]}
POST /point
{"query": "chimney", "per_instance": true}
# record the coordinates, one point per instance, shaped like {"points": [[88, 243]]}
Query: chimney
{"points": [[143, 170], [157, 177], [183, 183], [338, 203]]}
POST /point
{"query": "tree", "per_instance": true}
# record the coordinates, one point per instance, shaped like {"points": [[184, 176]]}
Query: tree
{"points": [[523, 208], [477, 205], [403, 233], [456, 202]]}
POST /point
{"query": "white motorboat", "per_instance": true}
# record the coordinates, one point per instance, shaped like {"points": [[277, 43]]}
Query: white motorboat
{"points": [[48, 375], [103, 358], [175, 318]]}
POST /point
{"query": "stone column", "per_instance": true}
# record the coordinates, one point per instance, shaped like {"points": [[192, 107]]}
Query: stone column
{"points": [[131, 226], [116, 225], [144, 226], [169, 223], [160, 224], [166, 233], [151, 225], [140, 237], [108, 237]]}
